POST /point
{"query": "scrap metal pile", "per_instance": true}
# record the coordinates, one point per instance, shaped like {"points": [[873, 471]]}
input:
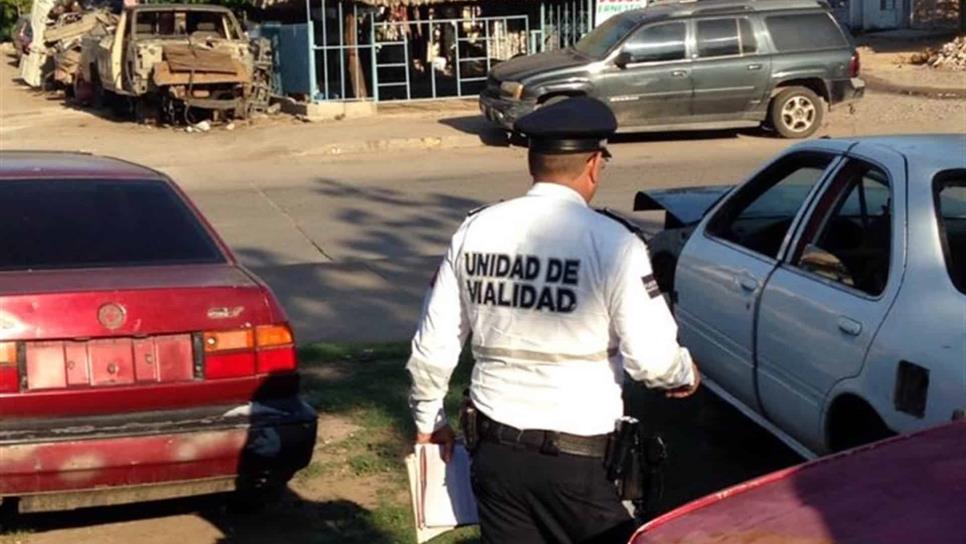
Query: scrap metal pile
{"points": [[951, 56], [63, 39], [58, 26]]}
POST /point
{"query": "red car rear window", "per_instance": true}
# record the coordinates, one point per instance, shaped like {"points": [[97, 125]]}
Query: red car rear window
{"points": [[47, 224]]}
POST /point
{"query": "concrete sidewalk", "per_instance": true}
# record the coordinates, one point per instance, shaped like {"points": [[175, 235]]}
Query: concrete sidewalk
{"points": [[35, 120]]}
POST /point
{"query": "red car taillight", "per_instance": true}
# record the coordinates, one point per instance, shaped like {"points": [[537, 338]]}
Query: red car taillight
{"points": [[855, 65], [265, 349], [9, 372], [275, 349]]}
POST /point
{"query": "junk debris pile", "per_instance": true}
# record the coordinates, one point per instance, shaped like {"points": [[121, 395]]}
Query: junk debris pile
{"points": [[63, 40], [951, 56], [165, 63]]}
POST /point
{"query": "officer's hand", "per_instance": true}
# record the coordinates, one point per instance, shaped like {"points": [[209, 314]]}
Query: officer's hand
{"points": [[683, 392], [443, 436]]}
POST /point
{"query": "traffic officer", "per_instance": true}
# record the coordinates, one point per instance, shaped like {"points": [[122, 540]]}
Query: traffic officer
{"points": [[560, 302]]}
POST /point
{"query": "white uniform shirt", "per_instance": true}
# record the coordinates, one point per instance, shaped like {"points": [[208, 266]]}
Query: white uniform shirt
{"points": [[559, 299]]}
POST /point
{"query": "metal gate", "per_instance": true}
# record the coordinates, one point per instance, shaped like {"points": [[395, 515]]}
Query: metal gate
{"points": [[473, 46], [356, 53]]}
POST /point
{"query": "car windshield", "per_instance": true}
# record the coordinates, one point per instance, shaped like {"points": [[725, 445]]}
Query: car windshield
{"points": [[180, 24], [603, 38], [84, 224]]}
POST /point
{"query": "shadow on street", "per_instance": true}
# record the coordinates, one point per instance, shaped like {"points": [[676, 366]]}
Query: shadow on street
{"points": [[357, 299]]}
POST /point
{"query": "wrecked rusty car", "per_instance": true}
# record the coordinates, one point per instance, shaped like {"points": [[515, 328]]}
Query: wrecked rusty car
{"points": [[172, 60], [138, 359]]}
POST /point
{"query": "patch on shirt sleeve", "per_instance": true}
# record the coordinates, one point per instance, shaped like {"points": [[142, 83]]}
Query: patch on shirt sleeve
{"points": [[650, 285]]}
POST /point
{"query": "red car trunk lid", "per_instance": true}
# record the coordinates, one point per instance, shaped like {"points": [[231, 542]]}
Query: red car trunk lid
{"points": [[136, 326]]}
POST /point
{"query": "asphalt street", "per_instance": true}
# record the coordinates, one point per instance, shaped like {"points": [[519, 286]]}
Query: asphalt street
{"points": [[349, 245], [347, 220]]}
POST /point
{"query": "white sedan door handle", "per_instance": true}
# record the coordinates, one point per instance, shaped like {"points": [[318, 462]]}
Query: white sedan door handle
{"points": [[850, 326], [747, 282]]}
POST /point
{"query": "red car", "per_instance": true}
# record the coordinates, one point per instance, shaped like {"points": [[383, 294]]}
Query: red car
{"points": [[905, 489], [138, 359]]}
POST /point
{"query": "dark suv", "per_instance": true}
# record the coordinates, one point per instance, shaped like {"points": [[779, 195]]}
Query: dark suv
{"points": [[706, 64]]}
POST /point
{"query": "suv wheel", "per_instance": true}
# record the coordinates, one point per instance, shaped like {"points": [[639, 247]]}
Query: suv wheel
{"points": [[796, 112]]}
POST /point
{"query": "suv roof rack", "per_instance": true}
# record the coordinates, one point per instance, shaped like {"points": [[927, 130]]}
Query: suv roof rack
{"points": [[693, 7]]}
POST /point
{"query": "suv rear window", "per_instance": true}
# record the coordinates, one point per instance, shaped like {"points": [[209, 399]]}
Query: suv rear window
{"points": [[804, 32], [50, 224], [950, 191]]}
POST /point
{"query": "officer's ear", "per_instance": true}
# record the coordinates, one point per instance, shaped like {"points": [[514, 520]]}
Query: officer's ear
{"points": [[596, 164]]}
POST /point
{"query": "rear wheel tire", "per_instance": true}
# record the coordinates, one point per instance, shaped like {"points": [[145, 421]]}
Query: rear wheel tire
{"points": [[8, 513], [98, 93], [855, 424], [251, 500], [796, 112], [82, 91]]}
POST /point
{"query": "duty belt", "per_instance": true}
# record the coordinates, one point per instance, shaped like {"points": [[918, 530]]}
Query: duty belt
{"points": [[548, 442]]}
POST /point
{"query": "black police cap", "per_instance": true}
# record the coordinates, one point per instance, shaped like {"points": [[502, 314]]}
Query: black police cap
{"points": [[575, 125]]}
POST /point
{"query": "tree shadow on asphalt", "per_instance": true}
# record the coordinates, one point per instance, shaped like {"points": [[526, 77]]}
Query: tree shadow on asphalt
{"points": [[373, 290]]}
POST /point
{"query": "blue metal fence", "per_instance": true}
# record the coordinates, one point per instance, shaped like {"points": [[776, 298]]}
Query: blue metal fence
{"points": [[352, 52]]}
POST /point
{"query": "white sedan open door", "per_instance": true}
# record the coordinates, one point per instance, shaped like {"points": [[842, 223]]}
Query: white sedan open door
{"points": [[822, 307]]}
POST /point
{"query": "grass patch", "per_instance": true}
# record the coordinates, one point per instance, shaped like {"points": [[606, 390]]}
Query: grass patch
{"points": [[369, 385]]}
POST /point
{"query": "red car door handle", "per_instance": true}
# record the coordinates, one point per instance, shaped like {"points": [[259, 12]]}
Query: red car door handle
{"points": [[850, 326]]}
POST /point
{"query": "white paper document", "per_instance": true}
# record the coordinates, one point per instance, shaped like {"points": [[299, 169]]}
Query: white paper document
{"points": [[441, 492]]}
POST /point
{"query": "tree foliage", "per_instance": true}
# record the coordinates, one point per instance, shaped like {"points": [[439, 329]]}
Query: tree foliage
{"points": [[10, 11]]}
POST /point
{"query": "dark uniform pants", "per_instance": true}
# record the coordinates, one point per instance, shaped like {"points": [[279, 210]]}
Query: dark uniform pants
{"points": [[526, 496]]}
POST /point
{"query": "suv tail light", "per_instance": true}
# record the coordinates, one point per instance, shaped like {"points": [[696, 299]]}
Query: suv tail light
{"points": [[266, 349], [855, 65], [9, 371]]}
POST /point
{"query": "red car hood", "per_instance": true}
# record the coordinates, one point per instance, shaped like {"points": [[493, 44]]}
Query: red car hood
{"points": [[907, 489]]}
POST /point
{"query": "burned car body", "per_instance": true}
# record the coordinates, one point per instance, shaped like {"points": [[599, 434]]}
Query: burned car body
{"points": [[65, 37], [173, 58], [826, 296]]}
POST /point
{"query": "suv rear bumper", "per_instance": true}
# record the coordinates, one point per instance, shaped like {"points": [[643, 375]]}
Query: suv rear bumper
{"points": [[846, 91], [503, 112], [69, 463]]}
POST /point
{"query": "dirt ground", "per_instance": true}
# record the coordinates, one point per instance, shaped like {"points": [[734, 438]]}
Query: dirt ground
{"points": [[886, 60]]}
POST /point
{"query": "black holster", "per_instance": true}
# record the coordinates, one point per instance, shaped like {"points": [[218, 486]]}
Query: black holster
{"points": [[469, 423], [634, 462]]}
